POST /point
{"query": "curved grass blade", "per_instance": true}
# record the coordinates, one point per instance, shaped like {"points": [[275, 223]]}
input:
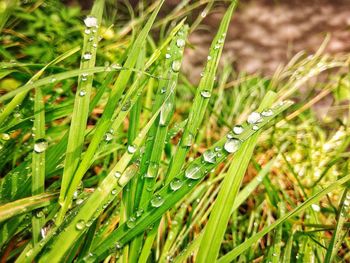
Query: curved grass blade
{"points": [[168, 196], [156, 138], [82, 101], [105, 121], [220, 215], [339, 233], [229, 257], [115, 181], [202, 96], [21, 93], [241, 197], [26, 205], [38, 160]]}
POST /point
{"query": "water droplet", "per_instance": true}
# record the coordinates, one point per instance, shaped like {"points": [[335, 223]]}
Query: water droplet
{"points": [[91, 39], [255, 127], [217, 46], [203, 14], [126, 105], [157, 201], [209, 58], [193, 172], [176, 184], [187, 140], [267, 113], [108, 137], [39, 214], [79, 201], [167, 56], [131, 149], [163, 90], [254, 117], [40, 145], [205, 94], [5, 136], [217, 148], [87, 31], [82, 93], [117, 174], [52, 80], [232, 145], [316, 207], [166, 114], [131, 222], [94, 45], [87, 56], [80, 225], [116, 67], [114, 191], [209, 156], [238, 129], [180, 42], [118, 245], [90, 21], [176, 65], [139, 212], [152, 170]]}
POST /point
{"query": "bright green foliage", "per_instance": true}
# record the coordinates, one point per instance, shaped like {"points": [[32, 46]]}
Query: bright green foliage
{"points": [[111, 152]]}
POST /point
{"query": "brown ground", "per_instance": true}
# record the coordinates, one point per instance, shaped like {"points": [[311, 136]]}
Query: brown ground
{"points": [[264, 34]]}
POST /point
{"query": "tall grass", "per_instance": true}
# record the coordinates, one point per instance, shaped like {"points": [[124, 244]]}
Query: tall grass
{"points": [[132, 162]]}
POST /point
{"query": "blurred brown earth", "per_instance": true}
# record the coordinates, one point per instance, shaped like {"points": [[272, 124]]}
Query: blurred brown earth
{"points": [[264, 34]]}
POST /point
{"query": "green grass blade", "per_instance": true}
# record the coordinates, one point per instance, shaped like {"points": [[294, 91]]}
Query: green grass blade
{"points": [[21, 93], [339, 233], [81, 102], [26, 205], [313, 199], [105, 120], [38, 160], [202, 96], [115, 181], [150, 162], [166, 197], [216, 226]]}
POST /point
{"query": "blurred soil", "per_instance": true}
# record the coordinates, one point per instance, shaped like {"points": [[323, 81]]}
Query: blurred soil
{"points": [[265, 33]]}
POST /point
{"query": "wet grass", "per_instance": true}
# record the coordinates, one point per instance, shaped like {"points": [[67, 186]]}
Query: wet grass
{"points": [[110, 153]]}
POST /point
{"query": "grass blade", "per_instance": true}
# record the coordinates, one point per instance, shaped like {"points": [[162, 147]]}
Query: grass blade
{"points": [[38, 160], [216, 227], [81, 102], [313, 199]]}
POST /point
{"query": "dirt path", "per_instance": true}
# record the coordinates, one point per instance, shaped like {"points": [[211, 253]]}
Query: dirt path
{"points": [[264, 34]]}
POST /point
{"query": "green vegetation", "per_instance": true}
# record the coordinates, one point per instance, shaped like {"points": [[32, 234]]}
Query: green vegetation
{"points": [[109, 152]]}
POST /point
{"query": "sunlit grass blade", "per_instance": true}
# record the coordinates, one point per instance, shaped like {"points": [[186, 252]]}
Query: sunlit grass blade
{"points": [[38, 160], [21, 93], [150, 161], [313, 199], [104, 122], [241, 197], [115, 181], [216, 226], [26, 205], [82, 100], [201, 100], [339, 234], [185, 181]]}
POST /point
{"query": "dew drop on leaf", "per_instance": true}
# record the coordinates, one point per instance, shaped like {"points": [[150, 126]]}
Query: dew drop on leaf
{"points": [[176, 184], [238, 129], [40, 145], [193, 172], [80, 225], [232, 145], [157, 201]]}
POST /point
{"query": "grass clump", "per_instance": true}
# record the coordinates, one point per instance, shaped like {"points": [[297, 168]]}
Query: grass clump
{"points": [[117, 156]]}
